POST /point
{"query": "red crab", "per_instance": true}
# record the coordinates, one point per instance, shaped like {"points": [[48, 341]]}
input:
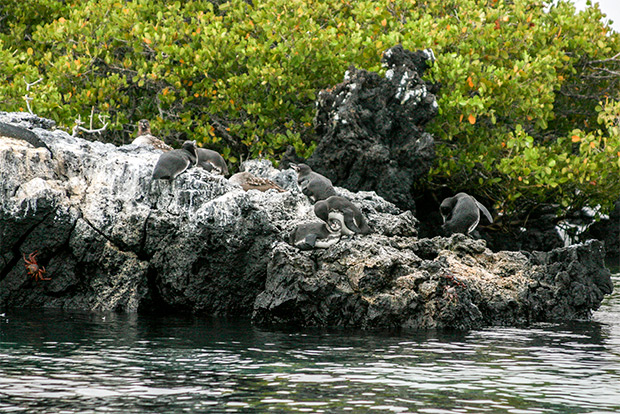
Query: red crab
{"points": [[451, 292], [34, 270]]}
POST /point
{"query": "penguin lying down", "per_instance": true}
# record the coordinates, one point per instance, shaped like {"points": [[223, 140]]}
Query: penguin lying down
{"points": [[320, 235], [339, 217]]}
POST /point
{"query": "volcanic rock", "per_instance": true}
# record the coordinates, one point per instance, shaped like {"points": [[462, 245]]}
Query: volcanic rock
{"points": [[371, 128], [110, 238]]}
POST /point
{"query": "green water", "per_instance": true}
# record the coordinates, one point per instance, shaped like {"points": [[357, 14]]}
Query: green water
{"points": [[61, 362]]}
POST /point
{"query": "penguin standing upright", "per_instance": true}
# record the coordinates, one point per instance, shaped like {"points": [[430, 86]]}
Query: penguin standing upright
{"points": [[461, 213], [211, 161], [172, 163], [314, 185], [345, 212], [146, 138]]}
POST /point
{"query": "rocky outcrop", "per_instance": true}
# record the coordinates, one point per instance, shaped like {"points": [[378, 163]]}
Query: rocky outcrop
{"points": [[451, 282], [110, 239], [371, 128]]}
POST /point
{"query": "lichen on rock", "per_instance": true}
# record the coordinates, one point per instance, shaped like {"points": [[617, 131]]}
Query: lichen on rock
{"points": [[456, 282]]}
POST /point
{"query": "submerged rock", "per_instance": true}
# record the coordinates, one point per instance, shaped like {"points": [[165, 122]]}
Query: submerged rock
{"points": [[110, 238]]}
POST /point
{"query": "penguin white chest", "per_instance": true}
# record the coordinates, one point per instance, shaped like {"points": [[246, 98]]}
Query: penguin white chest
{"points": [[325, 243]]}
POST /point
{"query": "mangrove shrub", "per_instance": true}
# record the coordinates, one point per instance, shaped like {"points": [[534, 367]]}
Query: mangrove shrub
{"points": [[528, 101]]}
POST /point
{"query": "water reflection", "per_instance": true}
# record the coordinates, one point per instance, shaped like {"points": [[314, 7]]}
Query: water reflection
{"points": [[81, 362]]}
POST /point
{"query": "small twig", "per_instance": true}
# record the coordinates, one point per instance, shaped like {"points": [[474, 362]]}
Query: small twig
{"points": [[611, 59], [92, 113], [78, 122], [28, 98]]}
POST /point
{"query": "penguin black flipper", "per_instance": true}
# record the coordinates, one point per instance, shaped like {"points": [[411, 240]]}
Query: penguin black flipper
{"points": [[349, 221], [27, 135], [310, 239], [484, 211], [355, 221], [307, 191]]}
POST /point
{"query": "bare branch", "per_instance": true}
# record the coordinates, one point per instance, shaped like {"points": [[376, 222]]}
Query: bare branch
{"points": [[611, 59], [26, 97], [78, 124]]}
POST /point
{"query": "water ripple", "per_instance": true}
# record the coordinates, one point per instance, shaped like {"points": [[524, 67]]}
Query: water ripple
{"points": [[60, 362]]}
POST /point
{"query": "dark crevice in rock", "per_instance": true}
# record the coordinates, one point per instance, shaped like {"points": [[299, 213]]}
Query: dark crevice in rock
{"points": [[153, 300], [17, 254], [99, 232], [141, 253]]}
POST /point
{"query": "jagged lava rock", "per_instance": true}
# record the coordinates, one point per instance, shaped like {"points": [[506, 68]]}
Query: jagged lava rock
{"points": [[608, 231], [456, 282], [371, 128], [112, 240]]}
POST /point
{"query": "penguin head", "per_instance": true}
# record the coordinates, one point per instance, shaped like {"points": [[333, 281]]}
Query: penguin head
{"points": [[192, 151], [334, 226], [321, 210], [302, 169], [446, 208], [190, 146]]}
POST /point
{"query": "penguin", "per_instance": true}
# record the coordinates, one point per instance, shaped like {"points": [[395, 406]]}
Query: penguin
{"points": [[172, 163], [307, 236], [314, 185], [350, 218], [18, 132], [146, 138], [248, 182], [211, 161], [461, 214]]}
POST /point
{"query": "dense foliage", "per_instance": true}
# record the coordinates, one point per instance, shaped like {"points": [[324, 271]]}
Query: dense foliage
{"points": [[529, 104]]}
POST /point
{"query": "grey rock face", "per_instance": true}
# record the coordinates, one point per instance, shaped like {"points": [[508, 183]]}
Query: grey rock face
{"points": [[110, 238], [371, 128]]}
